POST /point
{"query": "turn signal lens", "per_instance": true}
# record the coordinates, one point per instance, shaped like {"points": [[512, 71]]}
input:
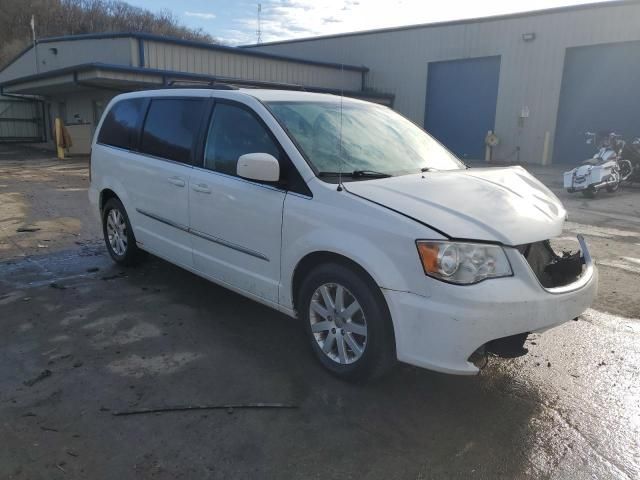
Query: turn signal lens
{"points": [[463, 263], [429, 256]]}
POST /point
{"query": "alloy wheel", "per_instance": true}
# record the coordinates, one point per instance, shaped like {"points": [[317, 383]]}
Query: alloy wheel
{"points": [[117, 232], [338, 323]]}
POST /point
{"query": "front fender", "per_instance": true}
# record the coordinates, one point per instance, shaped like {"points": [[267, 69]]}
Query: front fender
{"points": [[380, 241]]}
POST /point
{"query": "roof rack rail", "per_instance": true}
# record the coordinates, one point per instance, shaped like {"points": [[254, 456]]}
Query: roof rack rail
{"points": [[200, 84]]}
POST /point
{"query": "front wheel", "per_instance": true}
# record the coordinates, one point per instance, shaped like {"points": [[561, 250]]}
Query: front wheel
{"points": [[347, 322], [613, 187], [118, 234]]}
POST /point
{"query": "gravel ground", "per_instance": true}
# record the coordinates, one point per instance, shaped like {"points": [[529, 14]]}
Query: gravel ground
{"points": [[83, 339]]}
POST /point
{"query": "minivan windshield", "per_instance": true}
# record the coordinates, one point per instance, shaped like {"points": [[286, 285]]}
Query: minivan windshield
{"points": [[360, 140]]}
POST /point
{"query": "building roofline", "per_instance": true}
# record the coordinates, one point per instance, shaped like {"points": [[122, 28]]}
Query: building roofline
{"points": [[447, 23], [185, 75], [188, 43], [14, 59]]}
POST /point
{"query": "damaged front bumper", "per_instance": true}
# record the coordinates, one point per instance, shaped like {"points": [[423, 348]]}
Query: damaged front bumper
{"points": [[449, 330], [559, 273]]}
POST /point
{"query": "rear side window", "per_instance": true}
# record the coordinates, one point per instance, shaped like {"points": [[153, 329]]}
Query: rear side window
{"points": [[120, 126], [233, 132], [171, 127]]}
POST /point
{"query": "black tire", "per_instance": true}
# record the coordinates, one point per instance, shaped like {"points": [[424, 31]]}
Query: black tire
{"points": [[626, 169], [589, 192], [378, 355], [131, 254]]}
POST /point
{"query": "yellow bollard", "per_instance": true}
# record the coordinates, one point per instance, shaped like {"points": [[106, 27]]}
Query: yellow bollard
{"points": [[59, 138], [545, 148]]}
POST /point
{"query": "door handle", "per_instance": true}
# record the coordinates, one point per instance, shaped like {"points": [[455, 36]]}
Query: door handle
{"points": [[201, 188], [177, 181]]}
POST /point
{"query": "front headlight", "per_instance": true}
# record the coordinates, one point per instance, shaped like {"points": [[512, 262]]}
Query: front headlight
{"points": [[463, 263]]}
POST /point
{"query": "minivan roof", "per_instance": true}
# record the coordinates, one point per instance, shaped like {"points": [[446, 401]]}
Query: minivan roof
{"points": [[268, 95], [265, 95]]}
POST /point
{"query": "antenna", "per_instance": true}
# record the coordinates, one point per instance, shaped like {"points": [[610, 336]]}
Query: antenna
{"points": [[35, 41], [259, 31], [340, 147]]}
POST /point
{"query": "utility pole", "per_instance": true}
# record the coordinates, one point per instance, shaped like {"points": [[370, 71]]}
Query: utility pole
{"points": [[35, 42], [259, 31]]}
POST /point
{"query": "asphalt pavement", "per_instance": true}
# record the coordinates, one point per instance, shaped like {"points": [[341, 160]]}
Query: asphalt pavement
{"points": [[84, 339]]}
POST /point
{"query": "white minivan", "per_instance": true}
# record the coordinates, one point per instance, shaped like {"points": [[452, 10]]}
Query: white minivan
{"points": [[342, 214]]}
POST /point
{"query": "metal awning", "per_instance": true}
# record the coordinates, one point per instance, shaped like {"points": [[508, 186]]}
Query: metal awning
{"points": [[119, 78]]}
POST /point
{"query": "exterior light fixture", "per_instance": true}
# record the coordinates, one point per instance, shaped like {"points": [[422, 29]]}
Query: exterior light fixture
{"points": [[529, 37]]}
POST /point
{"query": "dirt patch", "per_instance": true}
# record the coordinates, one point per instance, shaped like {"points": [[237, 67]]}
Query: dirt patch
{"points": [[137, 366]]}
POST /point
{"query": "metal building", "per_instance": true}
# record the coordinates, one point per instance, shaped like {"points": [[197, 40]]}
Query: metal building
{"points": [[539, 79], [74, 77]]}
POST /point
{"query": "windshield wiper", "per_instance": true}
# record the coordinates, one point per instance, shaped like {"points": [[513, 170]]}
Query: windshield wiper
{"points": [[369, 173], [356, 174]]}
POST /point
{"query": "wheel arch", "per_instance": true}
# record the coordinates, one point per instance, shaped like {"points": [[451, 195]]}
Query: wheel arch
{"points": [[314, 259], [311, 260], [105, 195]]}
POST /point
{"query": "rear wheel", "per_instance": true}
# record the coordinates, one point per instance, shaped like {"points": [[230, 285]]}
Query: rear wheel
{"points": [[118, 234], [347, 322], [615, 179], [590, 192], [626, 169]]}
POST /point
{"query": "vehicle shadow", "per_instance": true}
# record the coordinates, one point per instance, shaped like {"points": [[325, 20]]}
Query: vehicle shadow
{"points": [[413, 423]]}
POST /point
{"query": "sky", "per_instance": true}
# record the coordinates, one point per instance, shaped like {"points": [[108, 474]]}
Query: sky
{"points": [[234, 22]]}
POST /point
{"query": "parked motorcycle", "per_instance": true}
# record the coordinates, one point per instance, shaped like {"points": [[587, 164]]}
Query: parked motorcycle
{"points": [[603, 170]]}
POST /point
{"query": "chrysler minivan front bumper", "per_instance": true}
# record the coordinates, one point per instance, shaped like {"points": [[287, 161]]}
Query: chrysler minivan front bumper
{"points": [[442, 331]]}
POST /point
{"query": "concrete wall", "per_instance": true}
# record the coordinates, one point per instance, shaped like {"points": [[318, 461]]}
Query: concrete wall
{"points": [[85, 105], [170, 56], [531, 72], [72, 52]]}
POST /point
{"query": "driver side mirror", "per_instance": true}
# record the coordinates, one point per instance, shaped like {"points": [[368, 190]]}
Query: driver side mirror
{"points": [[263, 167]]}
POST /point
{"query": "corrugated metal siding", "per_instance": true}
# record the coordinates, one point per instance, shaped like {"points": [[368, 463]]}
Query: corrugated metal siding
{"points": [[69, 53], [20, 120], [167, 56], [531, 72]]}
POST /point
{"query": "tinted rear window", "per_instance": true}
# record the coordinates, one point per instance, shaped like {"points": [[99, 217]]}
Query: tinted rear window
{"points": [[120, 127], [171, 128]]}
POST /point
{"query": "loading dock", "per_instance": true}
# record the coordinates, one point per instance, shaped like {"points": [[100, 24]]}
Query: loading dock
{"points": [[461, 103]]}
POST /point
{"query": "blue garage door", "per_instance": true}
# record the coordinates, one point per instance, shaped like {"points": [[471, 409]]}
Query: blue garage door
{"points": [[461, 103], [600, 92]]}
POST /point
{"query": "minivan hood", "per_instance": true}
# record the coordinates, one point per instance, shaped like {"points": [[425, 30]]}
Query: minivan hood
{"points": [[505, 205]]}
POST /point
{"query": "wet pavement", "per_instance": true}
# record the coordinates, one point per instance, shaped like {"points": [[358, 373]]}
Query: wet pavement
{"points": [[113, 339]]}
